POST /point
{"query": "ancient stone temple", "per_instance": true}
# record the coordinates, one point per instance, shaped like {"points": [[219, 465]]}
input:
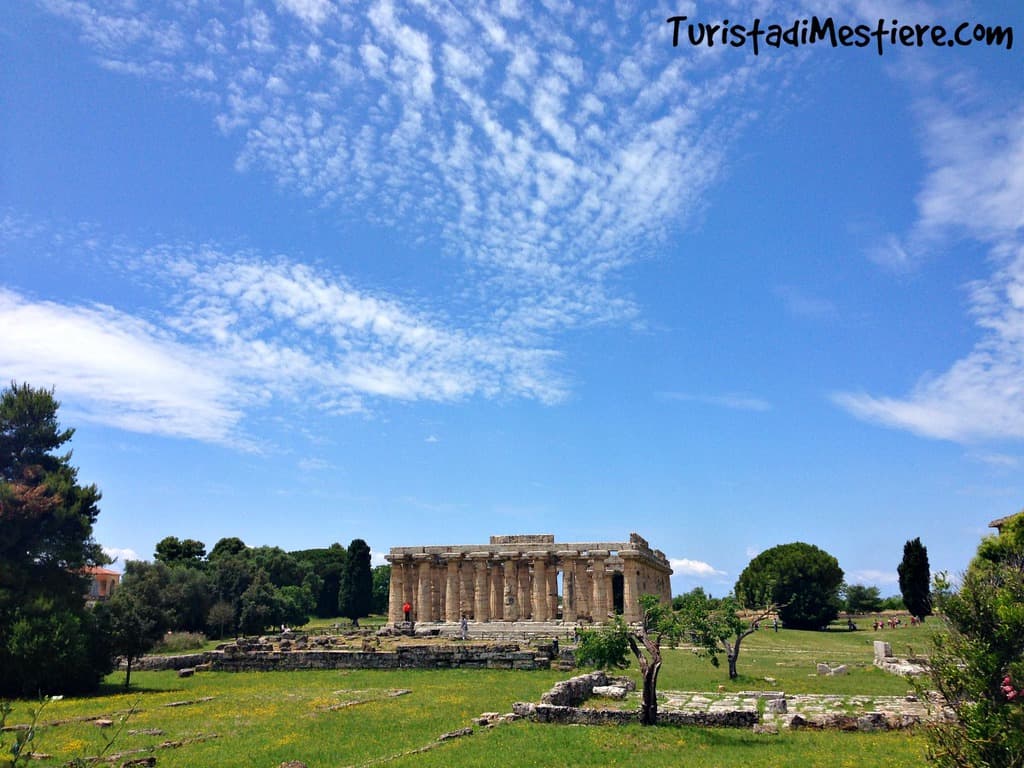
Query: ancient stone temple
{"points": [[526, 578]]}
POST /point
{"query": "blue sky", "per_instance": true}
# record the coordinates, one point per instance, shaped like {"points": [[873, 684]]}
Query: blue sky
{"points": [[304, 271]]}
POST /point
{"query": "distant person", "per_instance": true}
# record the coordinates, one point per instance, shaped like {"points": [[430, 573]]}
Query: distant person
{"points": [[463, 627], [407, 610], [775, 624]]}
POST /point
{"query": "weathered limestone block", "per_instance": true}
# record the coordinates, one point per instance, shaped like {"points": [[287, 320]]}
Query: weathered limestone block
{"points": [[872, 721], [610, 691], [882, 650], [777, 706]]}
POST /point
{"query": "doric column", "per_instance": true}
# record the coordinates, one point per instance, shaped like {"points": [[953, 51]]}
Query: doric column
{"points": [[396, 590], [423, 605], [467, 578], [451, 593], [599, 608], [553, 591], [482, 595], [584, 591], [511, 610], [630, 585], [497, 591], [567, 564], [540, 586], [523, 591]]}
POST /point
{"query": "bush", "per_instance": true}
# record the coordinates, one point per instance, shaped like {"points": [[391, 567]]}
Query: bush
{"points": [[978, 666], [57, 653], [604, 648], [178, 642]]}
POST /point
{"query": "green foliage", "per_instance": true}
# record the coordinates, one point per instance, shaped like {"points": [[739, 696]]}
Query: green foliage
{"points": [[327, 564], [261, 606], [979, 665], [134, 627], [604, 647], [381, 589], [679, 602], [226, 547], [180, 642], [356, 590], [892, 603], [171, 550], [221, 618], [801, 579], [46, 523], [298, 604], [915, 579], [858, 598]]}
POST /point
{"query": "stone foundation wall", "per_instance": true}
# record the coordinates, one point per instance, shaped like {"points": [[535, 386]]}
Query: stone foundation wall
{"points": [[259, 658], [575, 690], [563, 715]]}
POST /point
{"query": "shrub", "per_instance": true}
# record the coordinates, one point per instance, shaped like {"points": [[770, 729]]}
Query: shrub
{"points": [[979, 665], [604, 648], [178, 642]]}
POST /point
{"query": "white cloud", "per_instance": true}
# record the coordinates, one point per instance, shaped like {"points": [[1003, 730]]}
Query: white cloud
{"points": [[981, 397], [873, 577], [377, 558], [733, 401], [238, 332], [121, 556], [114, 369], [800, 304], [694, 568], [975, 187], [492, 115]]}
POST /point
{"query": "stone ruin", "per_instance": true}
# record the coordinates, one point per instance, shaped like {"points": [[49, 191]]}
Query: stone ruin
{"points": [[516, 579]]}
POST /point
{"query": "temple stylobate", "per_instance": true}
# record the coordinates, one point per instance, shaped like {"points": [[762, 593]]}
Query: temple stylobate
{"points": [[526, 578]]}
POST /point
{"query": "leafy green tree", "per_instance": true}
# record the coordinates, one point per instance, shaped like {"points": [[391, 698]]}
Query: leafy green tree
{"points": [[716, 628], [261, 606], [327, 564], [46, 540], [978, 665], [605, 647], [221, 618], [658, 622], [173, 551], [858, 598], [915, 579], [134, 627], [892, 603], [227, 547], [298, 604], [801, 579], [381, 589], [356, 591]]}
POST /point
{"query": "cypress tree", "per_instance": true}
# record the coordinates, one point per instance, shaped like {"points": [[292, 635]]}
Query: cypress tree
{"points": [[915, 579]]}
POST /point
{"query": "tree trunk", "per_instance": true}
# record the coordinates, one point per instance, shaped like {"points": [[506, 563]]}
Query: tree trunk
{"points": [[733, 674], [128, 672], [649, 703]]}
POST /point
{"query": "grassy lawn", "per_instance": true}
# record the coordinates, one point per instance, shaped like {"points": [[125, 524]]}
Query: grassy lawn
{"points": [[342, 718]]}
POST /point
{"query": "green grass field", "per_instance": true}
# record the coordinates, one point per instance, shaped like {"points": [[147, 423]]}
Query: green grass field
{"points": [[343, 718]]}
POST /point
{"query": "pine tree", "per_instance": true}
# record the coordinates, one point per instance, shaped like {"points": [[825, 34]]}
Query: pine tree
{"points": [[46, 522]]}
